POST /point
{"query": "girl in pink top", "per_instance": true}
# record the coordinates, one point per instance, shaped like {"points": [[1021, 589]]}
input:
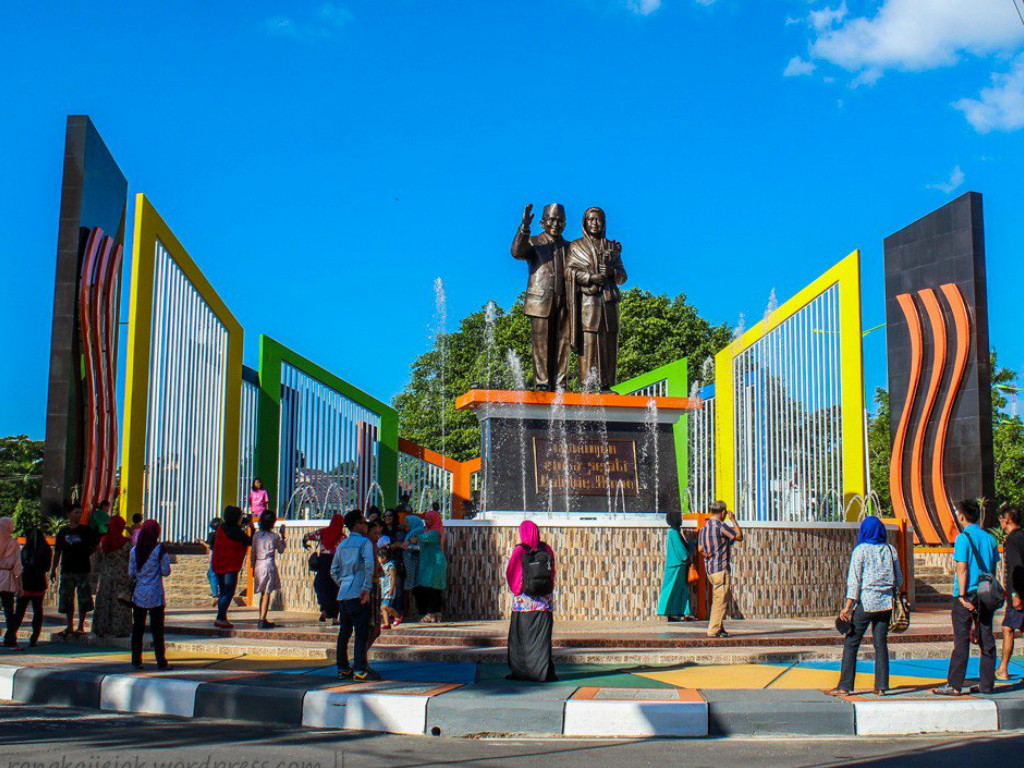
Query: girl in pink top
{"points": [[259, 500]]}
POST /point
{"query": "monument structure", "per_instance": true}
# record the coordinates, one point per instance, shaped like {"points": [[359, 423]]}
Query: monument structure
{"points": [[568, 452], [940, 382], [81, 457]]}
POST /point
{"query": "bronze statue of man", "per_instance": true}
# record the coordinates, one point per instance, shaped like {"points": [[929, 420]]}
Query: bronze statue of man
{"points": [[545, 295], [594, 273]]}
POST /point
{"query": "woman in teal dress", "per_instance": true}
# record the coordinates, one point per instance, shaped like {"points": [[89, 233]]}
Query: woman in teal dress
{"points": [[432, 570], [674, 602]]}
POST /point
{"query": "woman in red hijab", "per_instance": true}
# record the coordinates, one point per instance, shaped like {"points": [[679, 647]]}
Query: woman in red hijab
{"points": [[327, 541], [112, 618], [531, 578]]}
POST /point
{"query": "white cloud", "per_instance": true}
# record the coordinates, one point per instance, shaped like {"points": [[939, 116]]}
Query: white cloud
{"points": [[797, 67], [328, 20], [643, 7], [647, 7], [916, 35], [1000, 107], [955, 181], [826, 18]]}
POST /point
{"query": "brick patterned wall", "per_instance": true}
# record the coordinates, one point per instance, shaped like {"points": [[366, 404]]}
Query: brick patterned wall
{"points": [[603, 573], [615, 573]]}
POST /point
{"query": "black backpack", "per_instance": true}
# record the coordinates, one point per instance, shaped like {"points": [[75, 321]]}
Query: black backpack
{"points": [[538, 572]]}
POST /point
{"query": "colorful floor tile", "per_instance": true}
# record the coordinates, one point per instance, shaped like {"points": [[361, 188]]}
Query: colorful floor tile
{"points": [[719, 676]]}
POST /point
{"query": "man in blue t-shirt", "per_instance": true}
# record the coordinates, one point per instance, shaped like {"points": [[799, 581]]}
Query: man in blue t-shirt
{"points": [[974, 552]]}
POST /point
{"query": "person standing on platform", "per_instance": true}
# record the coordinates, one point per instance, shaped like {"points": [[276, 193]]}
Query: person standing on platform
{"points": [[229, 549], [259, 501], [100, 518], [530, 574], [352, 570], [10, 579], [267, 544], [432, 569], [716, 540], [1013, 616], [73, 553], [136, 526], [327, 541], [36, 557], [207, 544], [872, 584], [148, 564], [674, 602], [112, 618], [975, 552], [410, 562]]}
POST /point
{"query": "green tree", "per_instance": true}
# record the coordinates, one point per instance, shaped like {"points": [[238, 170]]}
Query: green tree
{"points": [[880, 451], [1007, 438], [654, 330], [21, 466]]}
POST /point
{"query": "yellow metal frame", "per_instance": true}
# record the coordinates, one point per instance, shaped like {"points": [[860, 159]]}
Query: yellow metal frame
{"points": [[851, 359], [150, 228]]}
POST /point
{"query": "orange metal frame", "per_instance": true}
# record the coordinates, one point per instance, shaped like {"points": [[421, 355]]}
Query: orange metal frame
{"points": [[462, 472]]}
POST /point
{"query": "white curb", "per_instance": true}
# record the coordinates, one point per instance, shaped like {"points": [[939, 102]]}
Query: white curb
{"points": [[903, 718], [589, 717], [7, 682], [388, 712], [148, 695]]}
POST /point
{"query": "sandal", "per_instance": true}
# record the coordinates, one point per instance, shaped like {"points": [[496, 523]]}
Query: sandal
{"points": [[839, 692], [946, 690]]}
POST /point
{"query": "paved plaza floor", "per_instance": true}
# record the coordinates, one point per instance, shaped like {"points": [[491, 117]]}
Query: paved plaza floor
{"points": [[664, 687]]}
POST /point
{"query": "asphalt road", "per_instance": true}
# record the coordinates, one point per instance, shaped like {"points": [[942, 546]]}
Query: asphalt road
{"points": [[44, 737]]}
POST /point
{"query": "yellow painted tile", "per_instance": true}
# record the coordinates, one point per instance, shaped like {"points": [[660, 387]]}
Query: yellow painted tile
{"points": [[802, 678], [735, 676]]}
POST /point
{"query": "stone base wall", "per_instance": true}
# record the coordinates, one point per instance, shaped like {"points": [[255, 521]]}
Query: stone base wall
{"points": [[615, 572], [603, 573]]}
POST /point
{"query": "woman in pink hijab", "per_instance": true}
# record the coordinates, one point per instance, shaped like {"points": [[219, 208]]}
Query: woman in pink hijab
{"points": [[10, 576], [531, 578]]}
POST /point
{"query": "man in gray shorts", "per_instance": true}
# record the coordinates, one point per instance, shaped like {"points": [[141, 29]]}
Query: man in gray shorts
{"points": [[72, 552]]}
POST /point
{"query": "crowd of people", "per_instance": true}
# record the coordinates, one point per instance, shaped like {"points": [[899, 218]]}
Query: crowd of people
{"points": [[371, 571]]}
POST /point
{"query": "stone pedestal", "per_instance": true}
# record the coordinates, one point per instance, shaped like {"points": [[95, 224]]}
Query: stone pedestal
{"points": [[577, 453]]}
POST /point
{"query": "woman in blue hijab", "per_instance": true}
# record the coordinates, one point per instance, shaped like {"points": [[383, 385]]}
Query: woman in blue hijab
{"points": [[872, 583]]}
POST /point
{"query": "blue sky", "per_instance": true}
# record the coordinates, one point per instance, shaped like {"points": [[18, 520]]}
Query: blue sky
{"points": [[324, 162]]}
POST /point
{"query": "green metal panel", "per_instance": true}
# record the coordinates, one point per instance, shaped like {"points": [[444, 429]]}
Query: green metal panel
{"points": [[268, 423], [676, 376]]}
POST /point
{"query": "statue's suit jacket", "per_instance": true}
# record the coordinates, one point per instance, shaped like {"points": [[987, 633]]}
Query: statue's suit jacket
{"points": [[546, 256]]}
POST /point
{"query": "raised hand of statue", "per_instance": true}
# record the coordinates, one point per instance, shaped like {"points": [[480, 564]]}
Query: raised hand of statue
{"points": [[527, 216]]}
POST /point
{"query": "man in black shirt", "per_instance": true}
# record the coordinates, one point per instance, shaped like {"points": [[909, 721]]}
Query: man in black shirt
{"points": [[72, 552], [1013, 617]]}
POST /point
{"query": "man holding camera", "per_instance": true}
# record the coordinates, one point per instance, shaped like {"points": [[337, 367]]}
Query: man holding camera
{"points": [[715, 540]]}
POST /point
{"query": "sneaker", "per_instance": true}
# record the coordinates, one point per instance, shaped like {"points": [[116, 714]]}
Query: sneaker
{"points": [[366, 675], [345, 674]]}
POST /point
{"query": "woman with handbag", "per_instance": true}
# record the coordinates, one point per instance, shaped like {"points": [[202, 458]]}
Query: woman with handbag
{"points": [[113, 617], [326, 541], [148, 564], [674, 602], [872, 590]]}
